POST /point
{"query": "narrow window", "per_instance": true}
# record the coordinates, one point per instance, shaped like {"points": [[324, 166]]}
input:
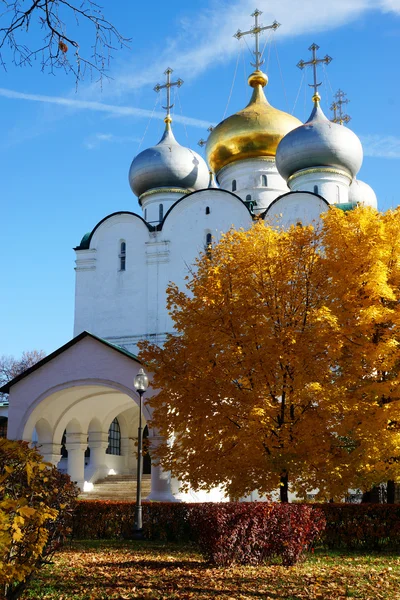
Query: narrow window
{"points": [[122, 257], [248, 198], [264, 181], [234, 185], [64, 451], [208, 244], [160, 212], [337, 194], [316, 189], [145, 214], [3, 427], [207, 210], [114, 439]]}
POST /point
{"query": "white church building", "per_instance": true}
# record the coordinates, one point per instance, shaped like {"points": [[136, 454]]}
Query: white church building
{"points": [[79, 403]]}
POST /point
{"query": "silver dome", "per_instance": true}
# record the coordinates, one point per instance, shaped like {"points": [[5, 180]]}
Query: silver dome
{"points": [[168, 164], [362, 193], [319, 143]]}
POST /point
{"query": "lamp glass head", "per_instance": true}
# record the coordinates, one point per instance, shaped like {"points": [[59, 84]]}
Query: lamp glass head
{"points": [[141, 381]]}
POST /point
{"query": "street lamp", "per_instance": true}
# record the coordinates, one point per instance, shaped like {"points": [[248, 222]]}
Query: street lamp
{"points": [[141, 383]]}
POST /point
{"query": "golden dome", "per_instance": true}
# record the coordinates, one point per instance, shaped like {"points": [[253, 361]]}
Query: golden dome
{"points": [[250, 133]]}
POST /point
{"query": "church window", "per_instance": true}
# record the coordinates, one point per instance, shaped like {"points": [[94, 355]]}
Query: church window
{"points": [[114, 439], [122, 256], [207, 210], [64, 451], [3, 427], [160, 212], [234, 185], [264, 180], [248, 198], [316, 189], [208, 244]]}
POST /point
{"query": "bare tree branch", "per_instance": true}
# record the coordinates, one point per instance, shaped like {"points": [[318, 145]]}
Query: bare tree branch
{"points": [[48, 24]]}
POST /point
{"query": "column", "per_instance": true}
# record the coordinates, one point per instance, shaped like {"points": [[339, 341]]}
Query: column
{"points": [[98, 443], [129, 451], [76, 445], [50, 452], [160, 480]]}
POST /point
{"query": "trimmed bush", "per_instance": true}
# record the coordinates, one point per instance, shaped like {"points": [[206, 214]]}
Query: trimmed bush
{"points": [[36, 507], [252, 533], [361, 526], [106, 519]]}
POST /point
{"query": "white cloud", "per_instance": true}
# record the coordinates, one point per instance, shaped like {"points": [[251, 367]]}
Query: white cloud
{"points": [[97, 139], [381, 146], [391, 5], [100, 107], [209, 38]]}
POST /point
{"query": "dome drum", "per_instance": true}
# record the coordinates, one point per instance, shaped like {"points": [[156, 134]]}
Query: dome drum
{"points": [[254, 177]]}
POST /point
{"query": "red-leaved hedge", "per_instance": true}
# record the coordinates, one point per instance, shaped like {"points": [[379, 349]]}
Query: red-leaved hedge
{"points": [[361, 526], [252, 533], [108, 519], [348, 526]]}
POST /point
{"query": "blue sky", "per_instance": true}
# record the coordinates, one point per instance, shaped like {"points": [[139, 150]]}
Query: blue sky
{"points": [[65, 154]]}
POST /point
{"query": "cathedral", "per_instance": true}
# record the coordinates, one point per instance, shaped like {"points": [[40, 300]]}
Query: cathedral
{"points": [[79, 404]]}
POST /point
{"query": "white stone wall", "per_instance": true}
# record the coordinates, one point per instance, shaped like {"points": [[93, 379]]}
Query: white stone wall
{"points": [[126, 306]]}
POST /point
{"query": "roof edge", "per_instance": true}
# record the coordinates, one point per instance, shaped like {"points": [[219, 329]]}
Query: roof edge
{"points": [[5, 389]]}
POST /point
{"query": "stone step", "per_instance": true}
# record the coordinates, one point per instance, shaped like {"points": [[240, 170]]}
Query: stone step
{"points": [[117, 487]]}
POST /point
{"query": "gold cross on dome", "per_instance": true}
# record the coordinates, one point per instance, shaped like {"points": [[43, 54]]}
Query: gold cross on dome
{"points": [[314, 62], [256, 30], [168, 87]]}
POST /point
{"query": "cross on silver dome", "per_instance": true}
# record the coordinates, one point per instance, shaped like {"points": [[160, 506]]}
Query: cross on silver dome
{"points": [[168, 87], [314, 62], [256, 30]]}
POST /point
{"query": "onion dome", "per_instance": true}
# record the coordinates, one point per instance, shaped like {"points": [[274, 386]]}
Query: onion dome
{"points": [[319, 143], [362, 193], [252, 132], [166, 165]]}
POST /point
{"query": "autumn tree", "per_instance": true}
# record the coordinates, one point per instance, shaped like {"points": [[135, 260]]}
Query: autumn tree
{"points": [[284, 362], [36, 508], [52, 31]]}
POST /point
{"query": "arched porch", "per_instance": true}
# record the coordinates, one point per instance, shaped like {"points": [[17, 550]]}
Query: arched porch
{"points": [[78, 392]]}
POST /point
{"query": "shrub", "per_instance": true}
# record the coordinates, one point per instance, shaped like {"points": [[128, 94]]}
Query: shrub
{"points": [[106, 519], [251, 533], [361, 526], [36, 505]]}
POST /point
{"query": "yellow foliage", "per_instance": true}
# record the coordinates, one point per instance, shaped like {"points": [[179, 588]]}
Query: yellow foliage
{"points": [[285, 359]]}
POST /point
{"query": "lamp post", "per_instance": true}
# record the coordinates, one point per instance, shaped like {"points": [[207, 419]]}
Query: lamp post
{"points": [[141, 383]]}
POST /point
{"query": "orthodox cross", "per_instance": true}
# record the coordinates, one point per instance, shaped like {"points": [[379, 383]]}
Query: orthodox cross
{"points": [[168, 87], [256, 30], [338, 116], [314, 62]]}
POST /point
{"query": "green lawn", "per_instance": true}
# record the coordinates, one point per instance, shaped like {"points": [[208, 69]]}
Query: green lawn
{"points": [[122, 570]]}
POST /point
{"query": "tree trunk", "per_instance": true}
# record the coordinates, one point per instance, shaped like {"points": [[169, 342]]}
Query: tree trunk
{"points": [[284, 487]]}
